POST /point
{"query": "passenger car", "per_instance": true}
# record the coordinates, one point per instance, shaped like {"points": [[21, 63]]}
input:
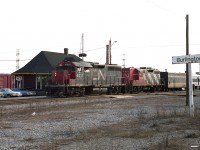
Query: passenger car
{"points": [[9, 93], [24, 92]]}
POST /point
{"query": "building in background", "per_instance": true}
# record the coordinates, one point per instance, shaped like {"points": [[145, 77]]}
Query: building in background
{"points": [[36, 73]]}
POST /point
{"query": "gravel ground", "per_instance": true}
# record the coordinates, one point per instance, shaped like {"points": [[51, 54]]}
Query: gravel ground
{"points": [[67, 124]]}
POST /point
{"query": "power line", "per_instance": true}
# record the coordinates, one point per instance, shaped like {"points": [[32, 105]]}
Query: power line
{"points": [[15, 60], [95, 49], [163, 8], [92, 49], [74, 53], [102, 57]]}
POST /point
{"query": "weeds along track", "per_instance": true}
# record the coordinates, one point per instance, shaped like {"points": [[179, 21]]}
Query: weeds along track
{"points": [[43, 100], [22, 104], [10, 105], [27, 100], [11, 100]]}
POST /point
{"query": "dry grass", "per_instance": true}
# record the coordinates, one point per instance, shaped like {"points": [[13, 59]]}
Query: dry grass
{"points": [[169, 123], [164, 123]]}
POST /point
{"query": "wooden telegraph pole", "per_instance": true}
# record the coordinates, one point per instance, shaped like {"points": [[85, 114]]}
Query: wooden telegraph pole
{"points": [[187, 53], [188, 59]]}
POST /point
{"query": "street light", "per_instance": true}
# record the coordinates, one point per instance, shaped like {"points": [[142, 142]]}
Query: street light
{"points": [[110, 45]]}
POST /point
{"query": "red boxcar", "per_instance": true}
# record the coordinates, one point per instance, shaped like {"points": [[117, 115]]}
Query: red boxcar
{"points": [[7, 81]]}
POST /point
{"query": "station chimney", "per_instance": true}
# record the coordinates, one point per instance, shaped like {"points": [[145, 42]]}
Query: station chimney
{"points": [[66, 51]]}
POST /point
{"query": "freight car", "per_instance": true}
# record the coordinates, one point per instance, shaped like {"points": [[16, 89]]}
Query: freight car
{"points": [[7, 81], [76, 77]]}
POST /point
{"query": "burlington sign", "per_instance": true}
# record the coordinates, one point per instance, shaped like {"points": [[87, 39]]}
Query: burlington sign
{"points": [[183, 60], [186, 59]]}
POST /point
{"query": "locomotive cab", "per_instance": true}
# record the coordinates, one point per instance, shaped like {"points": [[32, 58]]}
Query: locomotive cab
{"points": [[63, 73], [130, 74]]}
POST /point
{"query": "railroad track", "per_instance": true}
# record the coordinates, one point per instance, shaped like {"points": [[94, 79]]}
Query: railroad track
{"points": [[21, 100], [24, 100]]}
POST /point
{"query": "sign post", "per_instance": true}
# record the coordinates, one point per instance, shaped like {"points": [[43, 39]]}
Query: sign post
{"points": [[191, 102], [183, 60]]}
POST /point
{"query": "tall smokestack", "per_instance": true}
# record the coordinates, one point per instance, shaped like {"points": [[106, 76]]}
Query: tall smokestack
{"points": [[110, 51], [66, 51], [107, 55]]}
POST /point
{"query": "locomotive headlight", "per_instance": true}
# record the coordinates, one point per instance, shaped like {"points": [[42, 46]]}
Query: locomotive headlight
{"points": [[55, 74]]}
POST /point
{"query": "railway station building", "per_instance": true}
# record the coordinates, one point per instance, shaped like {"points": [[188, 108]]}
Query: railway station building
{"points": [[36, 73]]}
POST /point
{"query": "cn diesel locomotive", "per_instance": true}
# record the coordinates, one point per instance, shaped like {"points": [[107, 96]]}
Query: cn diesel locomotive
{"points": [[149, 79], [77, 77]]}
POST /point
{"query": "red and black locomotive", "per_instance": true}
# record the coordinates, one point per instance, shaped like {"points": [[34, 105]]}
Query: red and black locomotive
{"points": [[77, 77], [72, 77]]}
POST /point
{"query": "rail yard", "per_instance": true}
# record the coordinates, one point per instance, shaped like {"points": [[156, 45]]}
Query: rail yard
{"points": [[59, 96], [128, 121]]}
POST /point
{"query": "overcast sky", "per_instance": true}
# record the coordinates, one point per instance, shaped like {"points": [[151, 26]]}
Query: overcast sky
{"points": [[148, 32]]}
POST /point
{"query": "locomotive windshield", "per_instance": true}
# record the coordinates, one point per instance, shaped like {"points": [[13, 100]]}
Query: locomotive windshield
{"points": [[67, 67], [63, 68], [136, 71]]}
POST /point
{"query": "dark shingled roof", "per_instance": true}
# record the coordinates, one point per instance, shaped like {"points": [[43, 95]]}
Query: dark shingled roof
{"points": [[72, 59], [45, 62]]}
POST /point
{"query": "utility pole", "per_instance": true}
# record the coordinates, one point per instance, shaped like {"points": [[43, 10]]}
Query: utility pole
{"points": [[17, 59], [187, 65], [124, 65], [110, 51], [199, 68], [188, 59]]}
